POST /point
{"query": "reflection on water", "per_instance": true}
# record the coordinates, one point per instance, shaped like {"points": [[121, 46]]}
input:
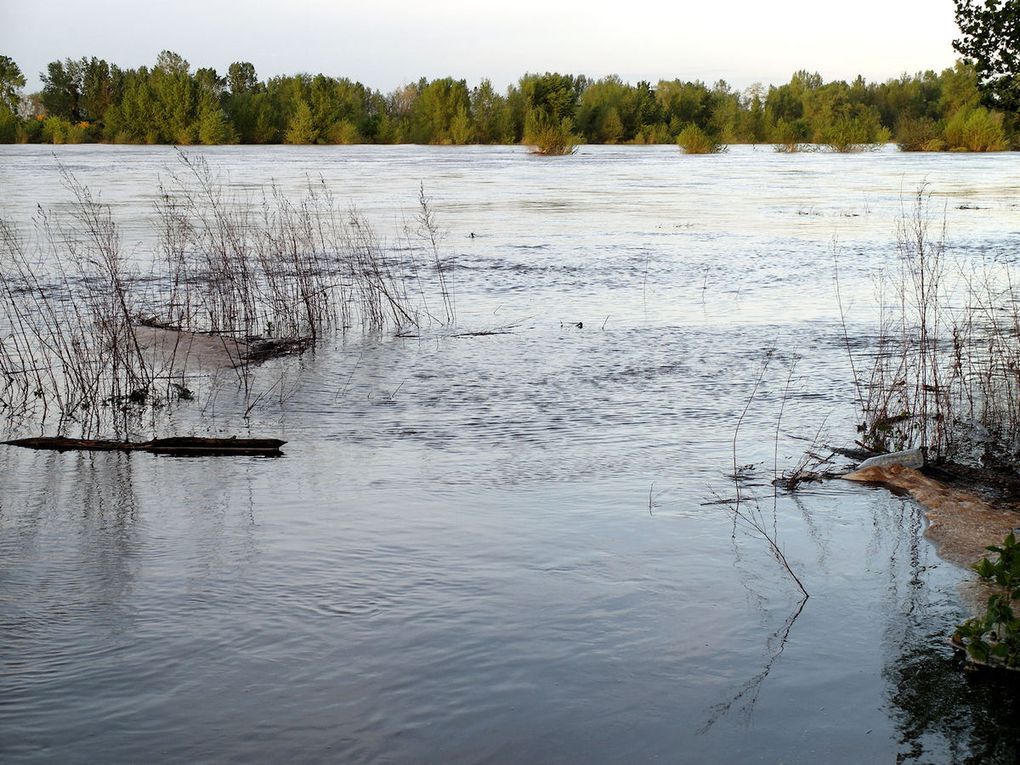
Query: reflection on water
{"points": [[497, 548], [948, 714]]}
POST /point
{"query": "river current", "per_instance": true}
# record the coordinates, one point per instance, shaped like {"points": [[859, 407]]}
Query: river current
{"points": [[516, 547]]}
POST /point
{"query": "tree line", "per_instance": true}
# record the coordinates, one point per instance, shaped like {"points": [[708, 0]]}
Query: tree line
{"points": [[91, 100]]}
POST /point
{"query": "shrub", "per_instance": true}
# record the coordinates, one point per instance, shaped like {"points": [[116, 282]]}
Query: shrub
{"points": [[653, 134], [975, 130], [694, 140], [548, 137], [58, 130], [856, 133], [919, 135], [787, 138], [994, 638]]}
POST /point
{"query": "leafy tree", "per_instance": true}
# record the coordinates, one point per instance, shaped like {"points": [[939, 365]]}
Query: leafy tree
{"points": [[991, 42], [176, 99], [97, 89], [300, 128], [461, 129], [241, 77], [11, 83], [61, 89], [209, 82], [172, 63], [493, 122], [548, 102], [684, 103], [214, 127], [338, 108], [436, 107]]}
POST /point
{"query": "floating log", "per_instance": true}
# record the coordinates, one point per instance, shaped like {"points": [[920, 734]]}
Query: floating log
{"points": [[181, 446]]}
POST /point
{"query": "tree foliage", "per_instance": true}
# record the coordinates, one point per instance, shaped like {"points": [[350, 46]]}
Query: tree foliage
{"points": [[173, 103], [990, 42], [11, 83]]}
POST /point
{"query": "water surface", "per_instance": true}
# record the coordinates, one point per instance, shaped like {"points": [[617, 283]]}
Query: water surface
{"points": [[510, 548]]}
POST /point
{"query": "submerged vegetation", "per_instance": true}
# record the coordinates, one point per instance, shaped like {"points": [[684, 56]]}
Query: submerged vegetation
{"points": [[943, 378], [91, 100], [91, 341], [694, 140], [944, 375]]}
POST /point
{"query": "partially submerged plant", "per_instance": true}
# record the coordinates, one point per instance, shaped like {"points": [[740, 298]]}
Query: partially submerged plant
{"points": [[548, 136], [694, 140], [261, 277], [904, 396], [944, 372], [994, 638]]}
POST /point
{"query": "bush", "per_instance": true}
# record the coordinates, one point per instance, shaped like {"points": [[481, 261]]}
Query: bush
{"points": [[857, 133], [694, 140], [994, 638], [919, 135], [975, 130], [788, 138], [548, 137], [58, 130], [653, 134]]}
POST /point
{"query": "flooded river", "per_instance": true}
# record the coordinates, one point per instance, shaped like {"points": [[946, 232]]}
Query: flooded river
{"points": [[515, 547]]}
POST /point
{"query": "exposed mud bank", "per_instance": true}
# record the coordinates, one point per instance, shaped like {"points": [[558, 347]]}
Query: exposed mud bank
{"points": [[961, 521], [177, 351]]}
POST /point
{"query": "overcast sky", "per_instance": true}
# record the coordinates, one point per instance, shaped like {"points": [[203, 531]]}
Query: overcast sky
{"points": [[386, 43]]}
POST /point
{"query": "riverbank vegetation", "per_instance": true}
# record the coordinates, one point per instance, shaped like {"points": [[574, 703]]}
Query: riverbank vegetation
{"points": [[944, 372], [91, 100], [94, 342]]}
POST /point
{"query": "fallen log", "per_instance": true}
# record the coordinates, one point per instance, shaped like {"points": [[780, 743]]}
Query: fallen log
{"points": [[181, 446]]}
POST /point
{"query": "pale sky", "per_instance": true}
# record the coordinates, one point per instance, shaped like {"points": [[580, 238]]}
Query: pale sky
{"points": [[387, 43]]}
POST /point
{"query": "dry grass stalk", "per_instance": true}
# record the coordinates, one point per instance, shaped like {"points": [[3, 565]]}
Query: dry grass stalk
{"points": [[944, 374], [270, 275]]}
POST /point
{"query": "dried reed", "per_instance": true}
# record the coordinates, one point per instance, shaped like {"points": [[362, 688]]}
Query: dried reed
{"points": [[267, 274]]}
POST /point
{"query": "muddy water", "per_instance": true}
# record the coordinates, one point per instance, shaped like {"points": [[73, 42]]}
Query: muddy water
{"points": [[510, 548]]}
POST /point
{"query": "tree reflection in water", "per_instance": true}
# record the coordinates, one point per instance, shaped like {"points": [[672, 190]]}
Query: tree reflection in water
{"points": [[943, 710]]}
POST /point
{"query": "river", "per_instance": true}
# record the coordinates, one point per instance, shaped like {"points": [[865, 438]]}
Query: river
{"points": [[516, 547]]}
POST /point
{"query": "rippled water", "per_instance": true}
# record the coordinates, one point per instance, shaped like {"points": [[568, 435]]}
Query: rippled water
{"points": [[509, 548]]}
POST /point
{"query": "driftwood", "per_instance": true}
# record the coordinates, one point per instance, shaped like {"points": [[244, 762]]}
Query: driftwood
{"points": [[183, 446]]}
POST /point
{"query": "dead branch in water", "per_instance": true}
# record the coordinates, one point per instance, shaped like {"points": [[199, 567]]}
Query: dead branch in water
{"points": [[178, 446], [748, 514]]}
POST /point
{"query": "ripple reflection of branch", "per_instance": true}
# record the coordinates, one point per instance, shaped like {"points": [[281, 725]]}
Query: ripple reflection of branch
{"points": [[747, 695]]}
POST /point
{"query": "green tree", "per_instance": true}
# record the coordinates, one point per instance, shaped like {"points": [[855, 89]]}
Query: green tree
{"points": [[437, 105], [11, 83], [176, 99], [493, 123], [991, 42], [549, 99], [241, 77], [61, 89], [461, 129], [300, 127]]}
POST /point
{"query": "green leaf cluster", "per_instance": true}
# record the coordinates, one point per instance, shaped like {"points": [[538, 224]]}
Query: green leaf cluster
{"points": [[994, 638], [990, 42]]}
